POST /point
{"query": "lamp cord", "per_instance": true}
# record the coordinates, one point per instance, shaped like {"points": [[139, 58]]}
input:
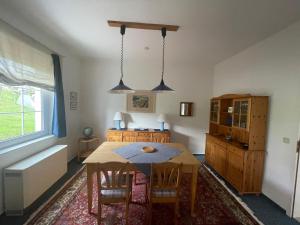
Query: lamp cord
{"points": [[163, 60], [122, 57]]}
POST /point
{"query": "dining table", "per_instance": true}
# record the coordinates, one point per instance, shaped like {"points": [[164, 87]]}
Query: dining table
{"points": [[106, 152]]}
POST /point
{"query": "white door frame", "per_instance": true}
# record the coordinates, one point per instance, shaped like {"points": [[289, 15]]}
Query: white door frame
{"points": [[296, 190]]}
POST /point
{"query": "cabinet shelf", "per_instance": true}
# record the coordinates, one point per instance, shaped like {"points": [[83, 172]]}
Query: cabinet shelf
{"points": [[226, 125]]}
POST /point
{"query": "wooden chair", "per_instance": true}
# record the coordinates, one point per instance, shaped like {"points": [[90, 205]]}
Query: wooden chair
{"points": [[164, 186], [114, 185]]}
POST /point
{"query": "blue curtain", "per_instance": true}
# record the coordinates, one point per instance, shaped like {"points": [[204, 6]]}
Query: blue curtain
{"points": [[59, 117]]}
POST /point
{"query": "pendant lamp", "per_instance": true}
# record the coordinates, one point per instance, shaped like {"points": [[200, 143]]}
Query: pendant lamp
{"points": [[162, 87], [121, 88]]}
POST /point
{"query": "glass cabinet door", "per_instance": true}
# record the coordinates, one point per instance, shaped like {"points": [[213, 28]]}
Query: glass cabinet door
{"points": [[237, 107], [236, 120], [243, 121], [214, 111], [240, 114], [236, 113], [244, 114], [244, 107]]}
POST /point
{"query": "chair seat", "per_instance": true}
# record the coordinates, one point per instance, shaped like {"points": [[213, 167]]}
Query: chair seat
{"points": [[116, 193], [160, 193]]}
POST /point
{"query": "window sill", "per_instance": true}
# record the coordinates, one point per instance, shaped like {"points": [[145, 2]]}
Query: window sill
{"points": [[26, 144]]}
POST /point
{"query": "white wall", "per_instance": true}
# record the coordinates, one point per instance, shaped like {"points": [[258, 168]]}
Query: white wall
{"points": [[71, 82], [191, 83], [271, 67], [70, 69]]}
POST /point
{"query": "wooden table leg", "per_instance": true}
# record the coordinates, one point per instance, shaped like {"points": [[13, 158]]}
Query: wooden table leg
{"points": [[194, 189], [89, 169]]}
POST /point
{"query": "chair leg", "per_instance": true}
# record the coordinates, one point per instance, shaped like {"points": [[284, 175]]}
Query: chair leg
{"points": [[150, 212], [177, 208], [127, 211], [146, 193], [176, 213], [134, 177], [99, 212]]}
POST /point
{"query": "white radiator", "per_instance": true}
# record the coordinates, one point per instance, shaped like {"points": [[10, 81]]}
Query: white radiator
{"points": [[26, 180]]}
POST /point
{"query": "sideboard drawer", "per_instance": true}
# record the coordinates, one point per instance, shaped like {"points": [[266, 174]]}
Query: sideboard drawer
{"points": [[114, 136], [160, 138], [237, 151], [114, 133], [216, 140], [129, 134], [144, 134], [138, 136]]}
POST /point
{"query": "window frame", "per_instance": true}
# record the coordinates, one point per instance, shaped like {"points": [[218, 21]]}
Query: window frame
{"points": [[47, 99]]}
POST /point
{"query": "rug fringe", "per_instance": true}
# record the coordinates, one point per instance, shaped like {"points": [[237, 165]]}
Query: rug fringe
{"points": [[243, 204]]}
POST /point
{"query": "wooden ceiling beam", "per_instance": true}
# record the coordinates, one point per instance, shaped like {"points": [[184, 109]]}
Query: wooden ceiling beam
{"points": [[144, 26]]}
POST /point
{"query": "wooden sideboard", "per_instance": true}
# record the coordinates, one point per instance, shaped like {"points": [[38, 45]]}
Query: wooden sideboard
{"points": [[131, 135], [243, 169], [235, 145]]}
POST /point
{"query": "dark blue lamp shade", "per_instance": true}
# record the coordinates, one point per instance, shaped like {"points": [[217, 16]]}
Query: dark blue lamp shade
{"points": [[121, 88], [162, 87]]}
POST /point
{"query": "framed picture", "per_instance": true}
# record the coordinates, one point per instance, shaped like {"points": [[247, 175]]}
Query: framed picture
{"points": [[73, 100], [141, 101]]}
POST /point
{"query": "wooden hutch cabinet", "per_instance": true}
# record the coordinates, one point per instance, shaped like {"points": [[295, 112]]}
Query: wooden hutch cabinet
{"points": [[131, 135], [235, 144]]}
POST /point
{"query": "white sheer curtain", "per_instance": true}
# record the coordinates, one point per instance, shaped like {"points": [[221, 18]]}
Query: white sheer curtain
{"points": [[24, 61]]}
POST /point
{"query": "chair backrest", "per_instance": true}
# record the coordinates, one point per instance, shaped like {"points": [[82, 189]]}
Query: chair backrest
{"points": [[112, 175], [165, 176]]}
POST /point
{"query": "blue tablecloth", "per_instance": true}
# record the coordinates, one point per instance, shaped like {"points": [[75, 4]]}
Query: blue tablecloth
{"points": [[142, 160]]}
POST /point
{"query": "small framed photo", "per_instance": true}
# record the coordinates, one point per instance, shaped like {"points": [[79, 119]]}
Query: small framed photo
{"points": [[141, 101], [73, 100], [230, 109]]}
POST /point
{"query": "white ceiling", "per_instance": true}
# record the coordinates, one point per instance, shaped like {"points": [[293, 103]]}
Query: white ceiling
{"points": [[210, 30]]}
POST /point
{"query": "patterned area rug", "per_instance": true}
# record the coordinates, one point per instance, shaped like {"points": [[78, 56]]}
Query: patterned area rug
{"points": [[214, 206]]}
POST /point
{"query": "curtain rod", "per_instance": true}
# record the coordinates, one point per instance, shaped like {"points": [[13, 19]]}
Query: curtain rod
{"points": [[25, 37]]}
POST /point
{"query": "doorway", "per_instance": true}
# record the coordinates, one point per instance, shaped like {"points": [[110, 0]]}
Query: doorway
{"points": [[295, 211]]}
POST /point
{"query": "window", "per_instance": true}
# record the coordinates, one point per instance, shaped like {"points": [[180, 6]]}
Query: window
{"points": [[26, 87], [24, 113]]}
